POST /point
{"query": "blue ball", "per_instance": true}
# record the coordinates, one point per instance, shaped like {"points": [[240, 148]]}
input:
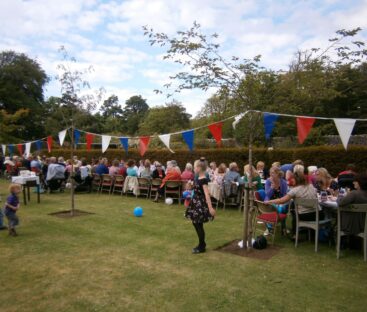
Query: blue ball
{"points": [[138, 212]]}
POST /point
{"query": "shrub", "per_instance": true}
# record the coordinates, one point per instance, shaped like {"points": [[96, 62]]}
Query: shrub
{"points": [[332, 158]]}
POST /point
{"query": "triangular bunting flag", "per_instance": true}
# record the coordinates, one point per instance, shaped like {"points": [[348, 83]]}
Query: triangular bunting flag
{"points": [[345, 129], [11, 149], [39, 145], [105, 142], [49, 143], [237, 119], [166, 138], [28, 149], [304, 125], [188, 137], [89, 139], [216, 131], [20, 149], [76, 136], [125, 144], [143, 144], [269, 124], [62, 135], [4, 149]]}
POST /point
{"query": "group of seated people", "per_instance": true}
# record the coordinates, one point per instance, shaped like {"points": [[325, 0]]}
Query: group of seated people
{"points": [[293, 182]]}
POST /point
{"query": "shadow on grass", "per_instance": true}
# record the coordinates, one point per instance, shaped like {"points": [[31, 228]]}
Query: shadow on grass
{"points": [[67, 213]]}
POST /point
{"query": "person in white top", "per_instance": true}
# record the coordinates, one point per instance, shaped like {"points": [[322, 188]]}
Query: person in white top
{"points": [[304, 190]]}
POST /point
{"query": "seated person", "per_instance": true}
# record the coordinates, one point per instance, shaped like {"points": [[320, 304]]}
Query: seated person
{"points": [[146, 172], [219, 175], [275, 186], [55, 174], [131, 170], [173, 174], [346, 177], [263, 172], [115, 168], [35, 165], [324, 182], [232, 180], [188, 174], [302, 189], [256, 179], [353, 223], [158, 173], [102, 167], [83, 177]]}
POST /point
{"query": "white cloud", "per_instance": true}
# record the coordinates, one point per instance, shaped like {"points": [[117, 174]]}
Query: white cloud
{"points": [[108, 35]]}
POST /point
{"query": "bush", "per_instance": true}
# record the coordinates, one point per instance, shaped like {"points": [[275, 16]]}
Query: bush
{"points": [[332, 158]]}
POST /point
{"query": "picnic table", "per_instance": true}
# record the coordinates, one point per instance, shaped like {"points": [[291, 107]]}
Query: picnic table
{"points": [[27, 182]]}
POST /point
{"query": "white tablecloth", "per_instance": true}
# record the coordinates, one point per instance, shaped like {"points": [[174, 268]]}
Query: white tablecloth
{"points": [[215, 191], [23, 180]]}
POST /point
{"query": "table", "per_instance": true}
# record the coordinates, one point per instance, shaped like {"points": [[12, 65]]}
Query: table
{"points": [[27, 182], [329, 206]]}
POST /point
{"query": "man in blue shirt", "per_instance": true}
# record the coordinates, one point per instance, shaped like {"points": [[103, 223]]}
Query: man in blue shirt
{"points": [[102, 167]]}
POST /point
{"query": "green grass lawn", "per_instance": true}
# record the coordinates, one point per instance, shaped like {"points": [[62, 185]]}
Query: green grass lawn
{"points": [[112, 261]]}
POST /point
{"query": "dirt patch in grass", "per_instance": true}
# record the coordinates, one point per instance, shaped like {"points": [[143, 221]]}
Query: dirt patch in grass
{"points": [[67, 213], [264, 254]]}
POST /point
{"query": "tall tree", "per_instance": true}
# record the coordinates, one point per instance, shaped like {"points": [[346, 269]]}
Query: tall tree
{"points": [[111, 107], [21, 87], [165, 119], [134, 112]]}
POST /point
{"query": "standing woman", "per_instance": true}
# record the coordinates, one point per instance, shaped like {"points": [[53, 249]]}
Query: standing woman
{"points": [[200, 210]]}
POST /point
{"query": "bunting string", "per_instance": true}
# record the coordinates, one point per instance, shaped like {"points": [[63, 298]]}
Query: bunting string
{"points": [[304, 125]]}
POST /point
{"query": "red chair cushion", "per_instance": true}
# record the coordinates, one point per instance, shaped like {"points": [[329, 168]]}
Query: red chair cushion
{"points": [[271, 217]]}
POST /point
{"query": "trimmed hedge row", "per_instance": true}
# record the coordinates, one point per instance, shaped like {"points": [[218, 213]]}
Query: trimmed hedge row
{"points": [[332, 158]]}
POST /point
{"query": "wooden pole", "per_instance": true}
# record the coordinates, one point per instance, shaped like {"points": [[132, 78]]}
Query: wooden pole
{"points": [[247, 224], [72, 170]]}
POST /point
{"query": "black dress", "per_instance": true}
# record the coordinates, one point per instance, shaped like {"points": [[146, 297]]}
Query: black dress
{"points": [[198, 211]]}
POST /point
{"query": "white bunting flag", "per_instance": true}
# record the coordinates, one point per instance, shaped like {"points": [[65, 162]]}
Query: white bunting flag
{"points": [[237, 119], [345, 128], [27, 149], [4, 149], [105, 142], [166, 138], [62, 135]]}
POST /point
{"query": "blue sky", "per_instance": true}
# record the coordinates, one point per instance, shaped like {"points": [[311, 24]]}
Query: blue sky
{"points": [[108, 36]]}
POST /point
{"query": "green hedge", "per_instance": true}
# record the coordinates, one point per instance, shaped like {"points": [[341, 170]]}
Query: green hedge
{"points": [[332, 158]]}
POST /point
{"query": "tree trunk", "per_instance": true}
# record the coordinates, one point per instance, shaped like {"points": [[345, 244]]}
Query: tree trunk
{"points": [[72, 171], [247, 211]]}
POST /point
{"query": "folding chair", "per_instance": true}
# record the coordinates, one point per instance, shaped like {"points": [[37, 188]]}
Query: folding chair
{"points": [[118, 186], [144, 187], [173, 189], [310, 225], [267, 214], [360, 209], [107, 183], [155, 184], [96, 184]]}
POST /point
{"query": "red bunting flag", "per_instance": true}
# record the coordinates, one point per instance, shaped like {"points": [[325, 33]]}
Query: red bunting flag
{"points": [[89, 138], [143, 144], [304, 125], [216, 131], [49, 143], [20, 149]]}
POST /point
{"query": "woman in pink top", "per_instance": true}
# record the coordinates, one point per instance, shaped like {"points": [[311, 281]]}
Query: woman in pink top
{"points": [[115, 168], [188, 174]]}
